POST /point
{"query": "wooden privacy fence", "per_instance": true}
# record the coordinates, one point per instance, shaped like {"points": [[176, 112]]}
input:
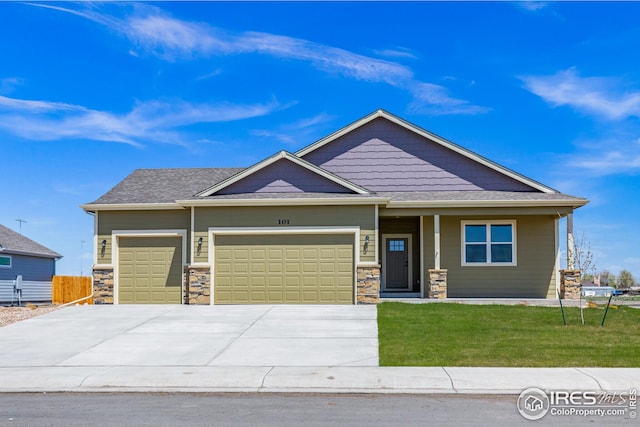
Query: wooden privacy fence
{"points": [[66, 289]]}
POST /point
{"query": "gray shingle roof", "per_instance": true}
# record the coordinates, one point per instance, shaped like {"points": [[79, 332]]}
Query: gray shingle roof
{"points": [[481, 195], [164, 185], [13, 242], [170, 185]]}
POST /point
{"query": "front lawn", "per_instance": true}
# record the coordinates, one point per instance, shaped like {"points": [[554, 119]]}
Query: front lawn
{"points": [[449, 334]]}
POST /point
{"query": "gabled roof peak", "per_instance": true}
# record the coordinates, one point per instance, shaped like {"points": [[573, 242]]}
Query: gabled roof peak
{"points": [[283, 155], [380, 113]]}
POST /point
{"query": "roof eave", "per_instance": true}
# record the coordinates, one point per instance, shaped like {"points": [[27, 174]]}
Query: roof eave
{"points": [[93, 207], [487, 203], [285, 202], [7, 251]]}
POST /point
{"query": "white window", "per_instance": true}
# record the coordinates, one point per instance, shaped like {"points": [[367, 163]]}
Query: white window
{"points": [[5, 261], [489, 242]]}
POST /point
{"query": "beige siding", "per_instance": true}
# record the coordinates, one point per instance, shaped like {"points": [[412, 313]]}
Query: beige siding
{"points": [[297, 216], [137, 220], [533, 277]]}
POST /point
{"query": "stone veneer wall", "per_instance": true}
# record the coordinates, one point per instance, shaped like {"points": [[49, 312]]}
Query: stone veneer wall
{"points": [[103, 286], [570, 284], [368, 284], [437, 284], [198, 289]]}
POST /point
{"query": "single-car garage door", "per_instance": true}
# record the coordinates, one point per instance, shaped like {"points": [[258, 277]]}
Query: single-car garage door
{"points": [[287, 269], [150, 270]]}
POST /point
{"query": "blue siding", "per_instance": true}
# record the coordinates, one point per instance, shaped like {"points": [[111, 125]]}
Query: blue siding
{"points": [[32, 291], [31, 268]]}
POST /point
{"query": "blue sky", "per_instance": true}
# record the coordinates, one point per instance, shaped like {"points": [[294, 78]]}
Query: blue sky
{"points": [[91, 91]]}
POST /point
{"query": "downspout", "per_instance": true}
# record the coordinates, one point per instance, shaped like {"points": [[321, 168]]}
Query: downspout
{"points": [[78, 300]]}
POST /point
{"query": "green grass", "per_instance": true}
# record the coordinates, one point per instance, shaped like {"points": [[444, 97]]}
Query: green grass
{"points": [[449, 334]]}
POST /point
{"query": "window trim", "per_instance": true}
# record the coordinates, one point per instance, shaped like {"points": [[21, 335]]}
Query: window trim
{"points": [[10, 261], [488, 224]]}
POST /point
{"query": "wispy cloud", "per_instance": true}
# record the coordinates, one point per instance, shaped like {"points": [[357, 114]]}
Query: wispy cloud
{"points": [[149, 121], [398, 52], [435, 99], [154, 32], [599, 96], [617, 150], [297, 132], [610, 158], [9, 84], [532, 5]]}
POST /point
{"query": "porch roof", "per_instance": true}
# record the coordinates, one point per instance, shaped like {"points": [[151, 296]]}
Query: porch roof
{"points": [[481, 198]]}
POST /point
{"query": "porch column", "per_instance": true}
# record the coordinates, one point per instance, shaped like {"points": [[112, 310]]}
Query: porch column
{"points": [[422, 257], [570, 244], [436, 241]]}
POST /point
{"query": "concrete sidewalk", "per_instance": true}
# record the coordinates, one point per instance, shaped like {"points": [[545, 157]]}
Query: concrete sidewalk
{"points": [[245, 349], [413, 380]]}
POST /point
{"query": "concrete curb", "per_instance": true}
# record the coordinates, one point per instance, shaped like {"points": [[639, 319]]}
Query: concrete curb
{"points": [[409, 380]]}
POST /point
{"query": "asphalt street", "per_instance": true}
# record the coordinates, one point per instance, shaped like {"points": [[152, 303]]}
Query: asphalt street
{"points": [[270, 410]]}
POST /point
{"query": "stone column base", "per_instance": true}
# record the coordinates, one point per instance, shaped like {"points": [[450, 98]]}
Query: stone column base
{"points": [[570, 284], [103, 286], [437, 283], [368, 291], [198, 288]]}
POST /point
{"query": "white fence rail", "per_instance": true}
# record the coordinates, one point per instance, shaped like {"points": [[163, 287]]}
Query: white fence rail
{"points": [[31, 291]]}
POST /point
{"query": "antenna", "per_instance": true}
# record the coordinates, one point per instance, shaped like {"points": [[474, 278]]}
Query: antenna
{"points": [[81, 257], [20, 221]]}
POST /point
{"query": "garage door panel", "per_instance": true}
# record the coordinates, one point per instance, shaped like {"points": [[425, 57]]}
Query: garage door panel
{"points": [[285, 268], [150, 270]]}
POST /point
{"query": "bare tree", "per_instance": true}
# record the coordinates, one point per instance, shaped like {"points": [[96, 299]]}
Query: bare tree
{"points": [[584, 256]]}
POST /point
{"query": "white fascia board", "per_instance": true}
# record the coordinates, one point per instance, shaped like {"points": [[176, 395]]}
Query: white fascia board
{"points": [[292, 158], [130, 207], [431, 136], [286, 202], [485, 203]]}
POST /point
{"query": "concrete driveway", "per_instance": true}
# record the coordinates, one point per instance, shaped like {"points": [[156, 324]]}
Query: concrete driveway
{"points": [[174, 335]]}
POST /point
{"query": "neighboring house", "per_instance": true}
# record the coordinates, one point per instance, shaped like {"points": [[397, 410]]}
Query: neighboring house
{"points": [[378, 208], [21, 256]]}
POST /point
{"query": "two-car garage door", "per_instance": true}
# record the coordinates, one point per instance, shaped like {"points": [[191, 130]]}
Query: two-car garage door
{"points": [[284, 268]]}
